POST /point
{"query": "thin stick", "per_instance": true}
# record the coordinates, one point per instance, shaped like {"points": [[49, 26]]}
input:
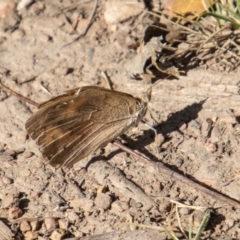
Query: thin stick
{"points": [[161, 168], [158, 166], [19, 96], [87, 27]]}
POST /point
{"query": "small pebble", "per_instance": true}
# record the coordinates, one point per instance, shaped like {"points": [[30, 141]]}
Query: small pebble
{"points": [[63, 224], [50, 223], [87, 207], [84, 203], [138, 205], [116, 207], [35, 225], [7, 180], [57, 234], [179, 162], [124, 205], [174, 193], [29, 235], [22, 136], [210, 147], [36, 8], [103, 201], [26, 173], [25, 226], [72, 216], [27, 154], [182, 126], [23, 4], [159, 139], [215, 135], [184, 211]]}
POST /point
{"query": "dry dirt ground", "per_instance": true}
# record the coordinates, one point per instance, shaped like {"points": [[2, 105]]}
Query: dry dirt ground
{"points": [[196, 116]]}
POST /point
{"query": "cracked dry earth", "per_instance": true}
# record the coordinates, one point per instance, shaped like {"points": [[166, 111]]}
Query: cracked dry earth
{"points": [[107, 195]]}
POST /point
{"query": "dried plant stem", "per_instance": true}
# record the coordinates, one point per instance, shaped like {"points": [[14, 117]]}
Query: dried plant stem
{"points": [[161, 168], [87, 27], [19, 96]]}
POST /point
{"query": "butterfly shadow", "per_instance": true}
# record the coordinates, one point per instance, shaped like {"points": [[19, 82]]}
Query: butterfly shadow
{"points": [[186, 115], [170, 125]]}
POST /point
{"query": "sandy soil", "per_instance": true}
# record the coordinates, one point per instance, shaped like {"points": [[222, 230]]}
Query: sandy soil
{"points": [[197, 122]]}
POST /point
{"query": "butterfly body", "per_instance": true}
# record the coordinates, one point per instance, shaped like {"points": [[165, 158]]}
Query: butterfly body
{"points": [[71, 126]]}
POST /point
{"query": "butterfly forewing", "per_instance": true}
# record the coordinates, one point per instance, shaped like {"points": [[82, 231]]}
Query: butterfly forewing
{"points": [[70, 127]]}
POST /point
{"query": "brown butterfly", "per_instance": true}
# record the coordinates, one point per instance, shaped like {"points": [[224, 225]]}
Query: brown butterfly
{"points": [[69, 127]]}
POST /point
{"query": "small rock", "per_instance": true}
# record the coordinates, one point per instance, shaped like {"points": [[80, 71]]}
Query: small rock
{"points": [[61, 71], [179, 162], [50, 223], [25, 226], [23, 4], [210, 147], [7, 180], [34, 194], [29, 235], [88, 206], [44, 38], [103, 201], [57, 234], [159, 139], [41, 238], [78, 234], [137, 205], [206, 127], [36, 8], [84, 203], [35, 225], [63, 224], [14, 213], [27, 154], [156, 186], [184, 211], [22, 136], [194, 127], [117, 11], [215, 135], [174, 193], [72, 216], [182, 126], [116, 207], [125, 205], [26, 173]]}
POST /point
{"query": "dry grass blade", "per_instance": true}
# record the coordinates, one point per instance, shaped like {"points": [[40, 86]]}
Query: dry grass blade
{"points": [[201, 41]]}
